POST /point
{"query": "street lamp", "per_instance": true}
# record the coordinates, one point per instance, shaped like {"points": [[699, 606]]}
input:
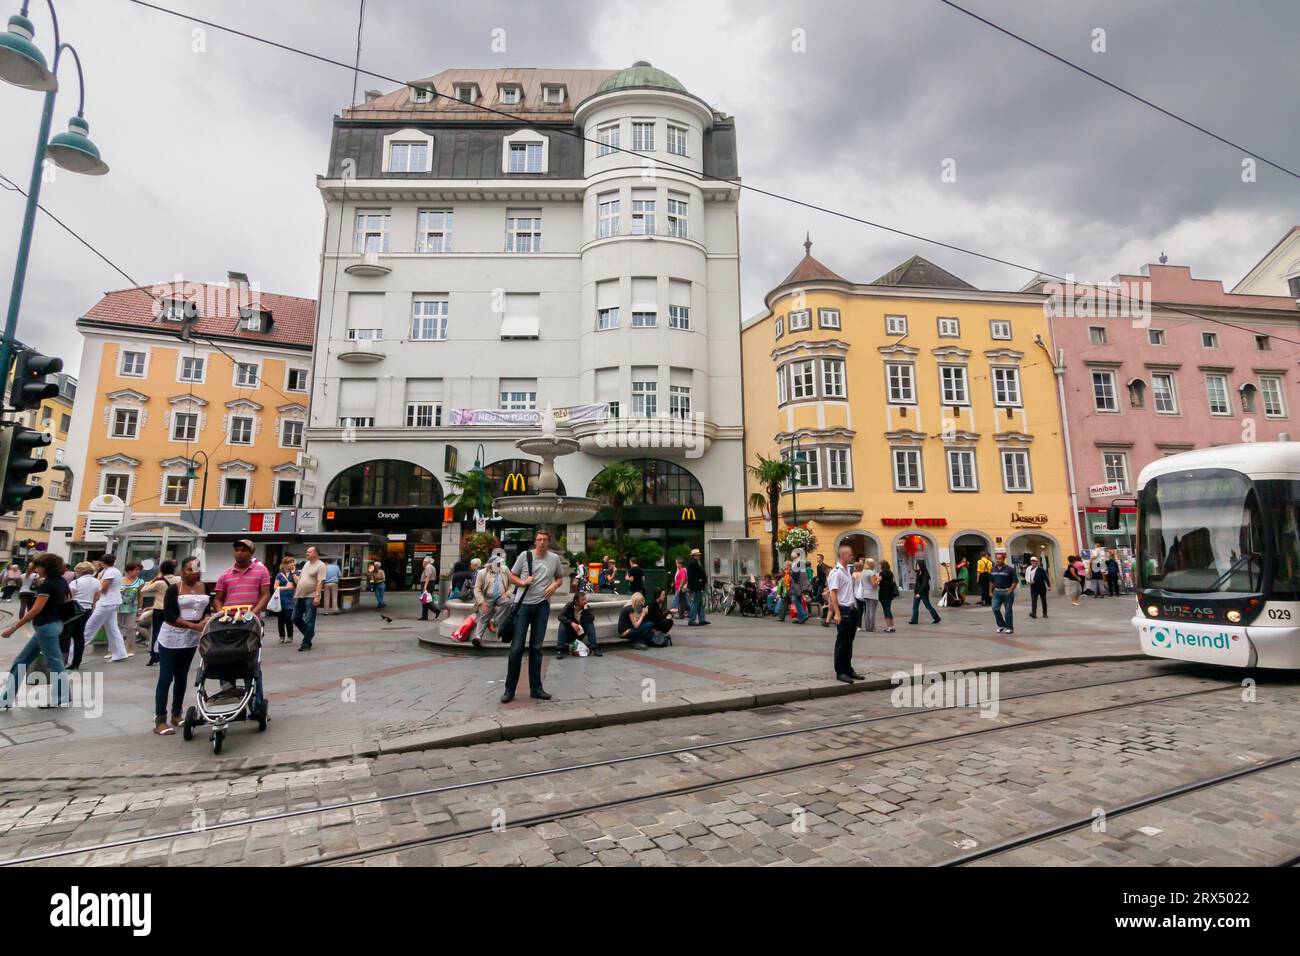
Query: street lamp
{"points": [[191, 474], [23, 65], [481, 475], [798, 458]]}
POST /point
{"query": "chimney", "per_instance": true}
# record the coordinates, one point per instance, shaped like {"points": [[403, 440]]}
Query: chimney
{"points": [[372, 95], [238, 281]]}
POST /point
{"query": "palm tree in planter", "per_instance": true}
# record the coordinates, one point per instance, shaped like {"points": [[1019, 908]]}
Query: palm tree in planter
{"points": [[469, 494], [617, 482], [771, 474]]}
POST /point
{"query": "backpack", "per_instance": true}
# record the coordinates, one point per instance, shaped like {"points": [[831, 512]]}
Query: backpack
{"points": [[659, 639]]}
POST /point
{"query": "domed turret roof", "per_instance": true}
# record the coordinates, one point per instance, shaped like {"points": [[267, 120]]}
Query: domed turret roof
{"points": [[640, 75]]}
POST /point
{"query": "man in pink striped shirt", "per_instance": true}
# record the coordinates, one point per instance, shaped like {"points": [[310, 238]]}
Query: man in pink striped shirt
{"points": [[244, 582]]}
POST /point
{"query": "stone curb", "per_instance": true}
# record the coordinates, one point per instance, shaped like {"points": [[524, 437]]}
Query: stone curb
{"points": [[514, 725]]}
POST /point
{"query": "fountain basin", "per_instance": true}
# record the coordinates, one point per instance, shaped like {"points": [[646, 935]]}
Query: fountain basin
{"points": [[546, 509], [605, 608]]}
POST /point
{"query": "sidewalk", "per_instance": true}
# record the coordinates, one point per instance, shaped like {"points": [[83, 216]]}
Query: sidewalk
{"points": [[369, 686]]}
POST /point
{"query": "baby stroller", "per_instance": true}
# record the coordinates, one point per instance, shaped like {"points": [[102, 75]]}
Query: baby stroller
{"points": [[230, 650], [748, 600]]}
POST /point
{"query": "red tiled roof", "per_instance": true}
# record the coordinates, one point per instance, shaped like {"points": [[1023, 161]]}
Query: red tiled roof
{"points": [[293, 319], [810, 270]]}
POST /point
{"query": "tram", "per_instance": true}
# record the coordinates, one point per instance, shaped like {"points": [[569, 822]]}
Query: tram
{"points": [[1218, 555]]}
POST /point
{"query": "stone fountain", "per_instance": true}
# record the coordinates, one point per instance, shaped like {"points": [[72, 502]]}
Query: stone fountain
{"points": [[544, 508]]}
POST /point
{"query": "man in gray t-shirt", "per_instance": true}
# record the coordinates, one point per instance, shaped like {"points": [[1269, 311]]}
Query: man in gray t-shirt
{"points": [[537, 574]]}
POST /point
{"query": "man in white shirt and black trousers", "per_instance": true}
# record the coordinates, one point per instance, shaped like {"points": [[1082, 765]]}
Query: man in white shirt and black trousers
{"points": [[844, 615]]}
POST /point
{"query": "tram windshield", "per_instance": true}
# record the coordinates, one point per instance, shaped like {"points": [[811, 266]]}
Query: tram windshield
{"points": [[1202, 534]]}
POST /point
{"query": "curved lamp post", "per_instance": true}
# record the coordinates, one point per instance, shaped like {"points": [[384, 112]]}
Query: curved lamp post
{"points": [[191, 475], [23, 65]]}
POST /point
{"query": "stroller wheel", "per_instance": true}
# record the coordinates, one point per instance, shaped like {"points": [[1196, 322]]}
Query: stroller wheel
{"points": [[261, 718], [218, 738], [191, 718]]}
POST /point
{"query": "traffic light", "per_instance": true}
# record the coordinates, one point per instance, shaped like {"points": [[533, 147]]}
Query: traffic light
{"points": [[30, 388], [17, 463]]}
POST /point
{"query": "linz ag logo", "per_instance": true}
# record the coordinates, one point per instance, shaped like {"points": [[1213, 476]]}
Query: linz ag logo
{"points": [[1187, 610]]}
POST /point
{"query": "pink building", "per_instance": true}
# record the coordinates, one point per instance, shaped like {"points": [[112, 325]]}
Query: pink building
{"points": [[1161, 363]]}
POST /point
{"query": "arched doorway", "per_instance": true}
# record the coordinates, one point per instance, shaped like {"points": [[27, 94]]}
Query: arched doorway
{"points": [[667, 508], [399, 500], [909, 548], [968, 546], [864, 544], [1035, 544]]}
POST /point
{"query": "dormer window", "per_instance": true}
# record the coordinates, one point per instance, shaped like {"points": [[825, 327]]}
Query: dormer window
{"points": [[466, 92], [553, 95], [419, 95], [255, 320], [509, 94], [176, 310]]}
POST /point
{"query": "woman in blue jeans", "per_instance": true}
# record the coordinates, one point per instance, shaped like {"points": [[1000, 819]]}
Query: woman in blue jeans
{"points": [[46, 617], [185, 610]]}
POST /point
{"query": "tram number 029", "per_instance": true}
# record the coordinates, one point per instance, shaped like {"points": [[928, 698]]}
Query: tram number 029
{"points": [[1279, 614]]}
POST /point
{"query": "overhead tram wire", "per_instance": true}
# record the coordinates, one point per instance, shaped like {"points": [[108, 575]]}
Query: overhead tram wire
{"points": [[1170, 308], [1119, 89], [14, 187]]}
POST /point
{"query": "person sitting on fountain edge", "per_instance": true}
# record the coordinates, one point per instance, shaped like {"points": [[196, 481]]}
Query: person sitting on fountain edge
{"points": [[576, 623]]}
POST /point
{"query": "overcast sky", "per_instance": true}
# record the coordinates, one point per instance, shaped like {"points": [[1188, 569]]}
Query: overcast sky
{"points": [[214, 153]]}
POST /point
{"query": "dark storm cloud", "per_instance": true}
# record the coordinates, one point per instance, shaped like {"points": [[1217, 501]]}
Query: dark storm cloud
{"points": [[215, 153]]}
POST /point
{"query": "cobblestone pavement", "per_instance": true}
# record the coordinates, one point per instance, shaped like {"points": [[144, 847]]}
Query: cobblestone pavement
{"points": [[896, 787], [367, 680]]}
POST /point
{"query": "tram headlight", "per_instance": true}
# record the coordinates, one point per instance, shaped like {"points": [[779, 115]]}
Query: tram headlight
{"points": [[1234, 616], [1152, 610]]}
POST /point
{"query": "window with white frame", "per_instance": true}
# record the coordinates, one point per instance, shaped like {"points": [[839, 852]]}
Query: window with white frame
{"points": [[644, 319], [1155, 336], [1216, 388], [677, 139], [357, 421], [132, 364], [1103, 391], [424, 415], [1115, 468], [802, 383], [800, 320], [421, 95], [286, 493], [518, 396], [1097, 335], [839, 468], [525, 158], [241, 430], [118, 485], [234, 493], [952, 385], [643, 135], [779, 326], [126, 423], [901, 377], [408, 157], [192, 368], [643, 214], [949, 328], [961, 470], [552, 95], [895, 325], [365, 335], [509, 95], [433, 230], [782, 387], [1210, 340], [429, 319], [246, 375], [524, 231], [372, 230], [828, 318], [1015, 471], [607, 318], [1270, 386], [833, 378], [907, 469], [1000, 329], [1163, 395], [608, 214], [185, 426], [807, 464], [291, 434], [645, 399], [679, 224], [1006, 385], [607, 137], [679, 401], [679, 317], [176, 490]]}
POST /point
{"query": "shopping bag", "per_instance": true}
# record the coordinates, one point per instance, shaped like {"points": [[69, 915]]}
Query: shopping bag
{"points": [[274, 605], [462, 633]]}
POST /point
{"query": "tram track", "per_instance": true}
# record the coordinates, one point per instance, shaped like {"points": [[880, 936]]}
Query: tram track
{"points": [[1021, 841], [627, 758]]}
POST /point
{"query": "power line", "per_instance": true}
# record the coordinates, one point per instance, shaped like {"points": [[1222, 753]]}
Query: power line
{"points": [[735, 181], [1119, 89]]}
